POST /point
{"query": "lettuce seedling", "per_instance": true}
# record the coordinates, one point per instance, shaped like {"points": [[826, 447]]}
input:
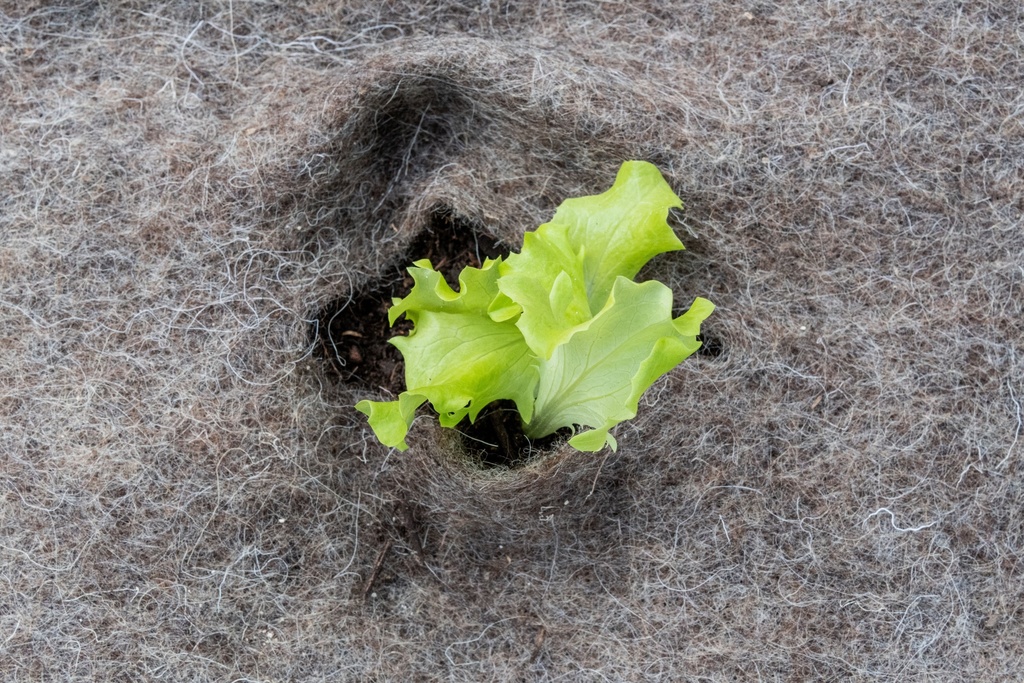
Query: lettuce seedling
{"points": [[560, 328]]}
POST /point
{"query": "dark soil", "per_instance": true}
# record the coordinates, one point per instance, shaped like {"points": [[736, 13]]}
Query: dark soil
{"points": [[710, 346]]}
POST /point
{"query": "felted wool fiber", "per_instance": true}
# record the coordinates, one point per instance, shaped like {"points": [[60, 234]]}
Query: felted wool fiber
{"points": [[831, 490]]}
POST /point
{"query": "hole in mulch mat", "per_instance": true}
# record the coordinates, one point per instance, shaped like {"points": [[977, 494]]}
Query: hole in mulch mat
{"points": [[351, 335], [351, 339]]}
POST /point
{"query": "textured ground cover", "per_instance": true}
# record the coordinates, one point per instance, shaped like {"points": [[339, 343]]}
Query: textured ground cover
{"points": [[192, 195]]}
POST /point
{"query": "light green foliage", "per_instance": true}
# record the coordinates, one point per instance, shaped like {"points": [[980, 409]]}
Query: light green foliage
{"points": [[560, 328]]}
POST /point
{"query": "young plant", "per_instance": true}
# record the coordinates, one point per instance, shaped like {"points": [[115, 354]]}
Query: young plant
{"points": [[561, 329]]}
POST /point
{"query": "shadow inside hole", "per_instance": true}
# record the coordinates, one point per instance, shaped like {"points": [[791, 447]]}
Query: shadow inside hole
{"points": [[710, 347], [496, 440], [351, 335]]}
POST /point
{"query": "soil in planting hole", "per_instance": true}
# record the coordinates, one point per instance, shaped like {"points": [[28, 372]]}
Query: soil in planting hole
{"points": [[498, 440], [351, 337]]}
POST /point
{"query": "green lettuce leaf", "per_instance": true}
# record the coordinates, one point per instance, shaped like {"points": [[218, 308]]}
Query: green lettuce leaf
{"points": [[596, 379], [559, 328], [545, 285], [456, 357], [566, 269], [391, 420]]}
